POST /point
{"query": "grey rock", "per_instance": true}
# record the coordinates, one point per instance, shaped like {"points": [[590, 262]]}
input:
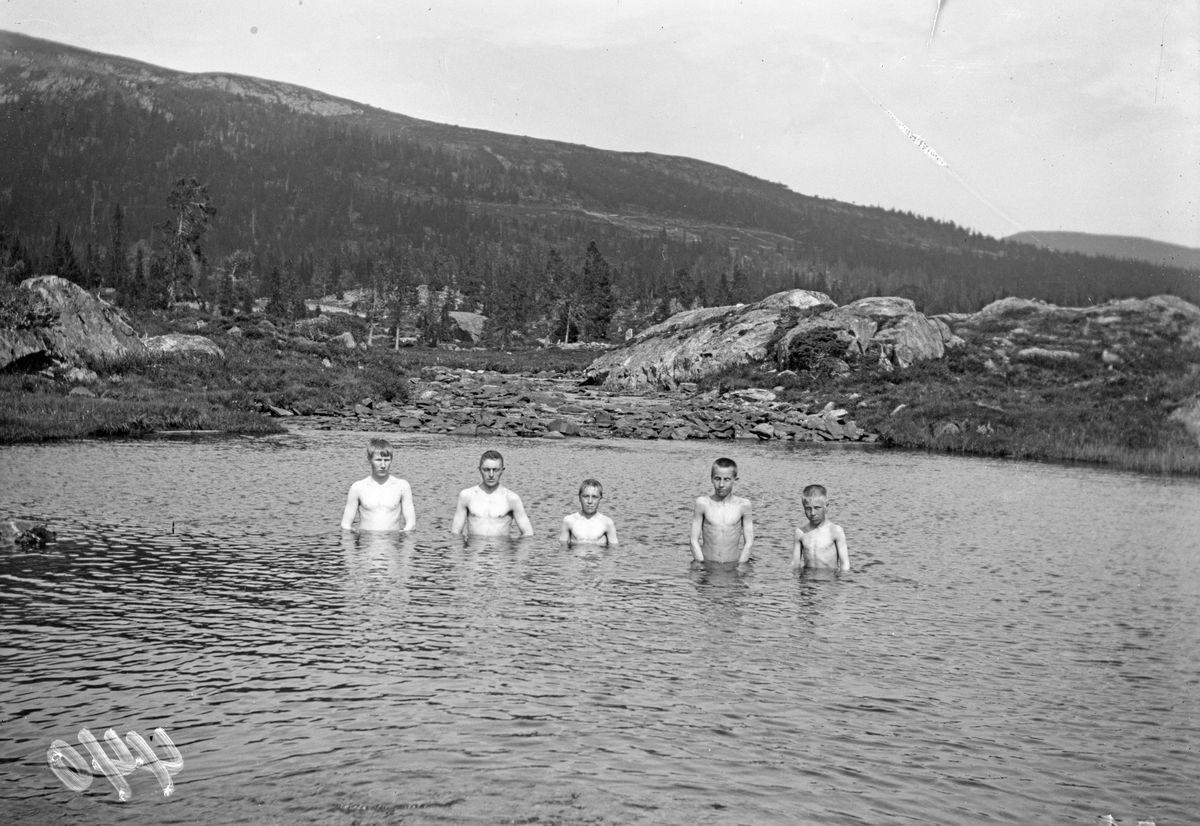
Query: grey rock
{"points": [[82, 391], [1032, 353], [346, 339], [86, 327], [468, 326], [80, 375], [183, 343], [696, 343], [887, 331], [946, 429], [754, 395], [763, 431], [567, 428]]}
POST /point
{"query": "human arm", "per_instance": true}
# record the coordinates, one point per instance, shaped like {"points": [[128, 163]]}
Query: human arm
{"points": [[797, 549], [747, 532], [460, 512], [843, 552], [610, 531], [407, 509], [351, 510], [518, 515], [697, 525], [565, 534]]}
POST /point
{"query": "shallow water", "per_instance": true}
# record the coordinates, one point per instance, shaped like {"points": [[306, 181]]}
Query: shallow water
{"points": [[1016, 643]]}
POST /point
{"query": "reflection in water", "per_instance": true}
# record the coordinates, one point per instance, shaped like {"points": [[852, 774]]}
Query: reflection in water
{"points": [[310, 675]]}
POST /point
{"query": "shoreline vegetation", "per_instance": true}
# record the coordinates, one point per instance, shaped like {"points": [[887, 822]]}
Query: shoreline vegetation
{"points": [[1046, 409]]}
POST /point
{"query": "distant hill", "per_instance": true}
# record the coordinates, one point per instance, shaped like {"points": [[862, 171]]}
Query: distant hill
{"points": [[345, 194], [1114, 246]]}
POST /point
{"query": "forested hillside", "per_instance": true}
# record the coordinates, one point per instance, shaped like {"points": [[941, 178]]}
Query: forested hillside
{"points": [[167, 186]]}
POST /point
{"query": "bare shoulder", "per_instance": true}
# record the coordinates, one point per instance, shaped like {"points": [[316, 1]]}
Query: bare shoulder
{"points": [[744, 504], [607, 520], [837, 531]]}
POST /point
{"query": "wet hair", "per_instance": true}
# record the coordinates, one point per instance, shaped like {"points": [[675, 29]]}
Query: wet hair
{"points": [[726, 464], [381, 446], [591, 483], [491, 454], [814, 492]]}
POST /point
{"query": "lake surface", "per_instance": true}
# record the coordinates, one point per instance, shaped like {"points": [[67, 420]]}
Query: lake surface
{"points": [[1016, 643]]}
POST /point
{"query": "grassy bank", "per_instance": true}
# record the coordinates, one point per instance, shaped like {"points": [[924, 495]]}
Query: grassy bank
{"points": [[306, 369], [40, 416], [1083, 409]]}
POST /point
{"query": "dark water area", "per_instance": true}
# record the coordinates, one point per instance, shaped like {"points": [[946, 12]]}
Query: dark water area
{"points": [[1016, 643]]}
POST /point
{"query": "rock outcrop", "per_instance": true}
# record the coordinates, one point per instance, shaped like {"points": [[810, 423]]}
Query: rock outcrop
{"points": [[21, 533], [85, 327], [697, 343], [884, 331], [1021, 329], [176, 343], [464, 403], [467, 326]]}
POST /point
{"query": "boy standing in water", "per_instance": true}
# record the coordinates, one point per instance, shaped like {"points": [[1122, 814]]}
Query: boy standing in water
{"points": [[820, 543], [722, 522], [489, 508], [589, 525], [381, 499]]}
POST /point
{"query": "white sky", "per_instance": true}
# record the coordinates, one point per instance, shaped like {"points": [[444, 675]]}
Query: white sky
{"points": [[1076, 115]]}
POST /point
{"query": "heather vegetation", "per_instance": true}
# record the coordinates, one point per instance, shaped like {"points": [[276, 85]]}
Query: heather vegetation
{"points": [[1097, 408]]}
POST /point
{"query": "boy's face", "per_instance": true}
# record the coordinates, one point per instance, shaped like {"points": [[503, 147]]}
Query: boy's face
{"points": [[814, 509], [490, 471], [381, 463], [589, 501], [722, 480]]}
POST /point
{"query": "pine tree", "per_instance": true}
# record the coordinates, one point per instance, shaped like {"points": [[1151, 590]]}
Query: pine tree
{"points": [[118, 265], [63, 262], [599, 300], [183, 234]]}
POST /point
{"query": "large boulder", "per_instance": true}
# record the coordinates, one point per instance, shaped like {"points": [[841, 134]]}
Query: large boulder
{"points": [[886, 331], [697, 343], [183, 343], [83, 328], [467, 326]]}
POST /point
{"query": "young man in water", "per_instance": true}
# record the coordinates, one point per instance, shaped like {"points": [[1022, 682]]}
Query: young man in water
{"points": [[820, 543], [380, 500], [489, 508], [722, 524], [589, 525]]}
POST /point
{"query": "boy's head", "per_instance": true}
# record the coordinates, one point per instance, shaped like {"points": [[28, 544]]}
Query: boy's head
{"points": [[379, 454], [590, 494], [724, 474], [377, 445], [813, 499], [491, 466]]}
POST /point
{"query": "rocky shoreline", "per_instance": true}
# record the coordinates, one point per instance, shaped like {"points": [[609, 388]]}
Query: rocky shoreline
{"points": [[468, 403]]}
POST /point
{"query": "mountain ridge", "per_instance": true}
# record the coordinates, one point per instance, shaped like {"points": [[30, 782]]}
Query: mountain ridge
{"points": [[341, 188], [1130, 247]]}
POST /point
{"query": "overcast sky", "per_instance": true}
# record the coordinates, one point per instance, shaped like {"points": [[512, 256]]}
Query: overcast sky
{"points": [[1076, 115]]}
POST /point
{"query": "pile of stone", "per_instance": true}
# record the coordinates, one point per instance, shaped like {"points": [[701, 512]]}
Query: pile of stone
{"points": [[466, 403]]}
